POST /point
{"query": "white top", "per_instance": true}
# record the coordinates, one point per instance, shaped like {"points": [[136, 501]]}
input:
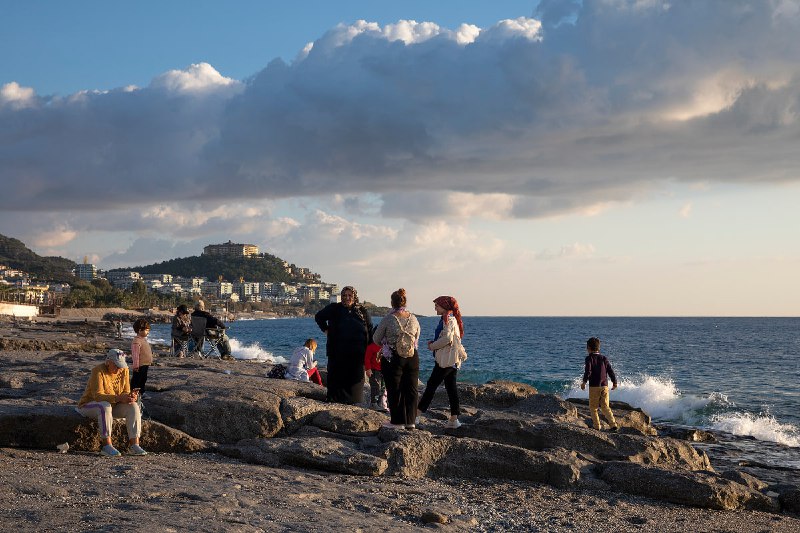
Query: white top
{"points": [[302, 361]]}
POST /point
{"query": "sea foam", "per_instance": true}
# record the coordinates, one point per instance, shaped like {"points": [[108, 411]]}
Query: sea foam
{"points": [[762, 427], [662, 400], [253, 352]]}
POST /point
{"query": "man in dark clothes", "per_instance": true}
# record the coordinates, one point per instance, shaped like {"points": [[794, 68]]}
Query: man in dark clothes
{"points": [[347, 325], [213, 322]]}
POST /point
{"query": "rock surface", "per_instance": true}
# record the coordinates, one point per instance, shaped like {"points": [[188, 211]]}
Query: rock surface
{"points": [[511, 433]]}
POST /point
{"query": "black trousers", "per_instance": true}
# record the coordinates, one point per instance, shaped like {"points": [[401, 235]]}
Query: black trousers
{"points": [[439, 374], [401, 375], [139, 378]]}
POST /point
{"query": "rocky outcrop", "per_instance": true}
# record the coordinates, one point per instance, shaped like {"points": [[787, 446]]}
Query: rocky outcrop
{"points": [[510, 433], [699, 489]]}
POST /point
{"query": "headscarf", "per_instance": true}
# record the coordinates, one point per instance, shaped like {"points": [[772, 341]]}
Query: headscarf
{"points": [[450, 304], [359, 309], [353, 290]]}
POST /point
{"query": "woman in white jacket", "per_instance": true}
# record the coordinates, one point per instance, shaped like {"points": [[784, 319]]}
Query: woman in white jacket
{"points": [[449, 354]]}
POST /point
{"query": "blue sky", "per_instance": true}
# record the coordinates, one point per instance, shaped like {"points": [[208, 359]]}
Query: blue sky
{"points": [[606, 157]]}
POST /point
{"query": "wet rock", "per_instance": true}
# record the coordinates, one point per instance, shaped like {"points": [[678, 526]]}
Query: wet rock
{"points": [[790, 500]]}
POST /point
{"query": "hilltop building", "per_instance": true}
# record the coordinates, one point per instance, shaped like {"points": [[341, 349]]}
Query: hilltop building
{"points": [[231, 249], [86, 271]]}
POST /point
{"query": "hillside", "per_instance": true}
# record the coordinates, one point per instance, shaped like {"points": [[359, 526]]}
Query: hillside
{"points": [[264, 267], [14, 254]]}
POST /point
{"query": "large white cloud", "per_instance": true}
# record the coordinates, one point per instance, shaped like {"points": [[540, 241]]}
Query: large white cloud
{"points": [[587, 103]]}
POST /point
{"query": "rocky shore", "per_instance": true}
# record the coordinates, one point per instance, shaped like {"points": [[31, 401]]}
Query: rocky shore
{"points": [[232, 450]]}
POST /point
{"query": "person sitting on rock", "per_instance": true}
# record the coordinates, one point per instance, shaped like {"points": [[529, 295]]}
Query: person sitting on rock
{"points": [[108, 396], [597, 370], [303, 366], [181, 328], [213, 322]]}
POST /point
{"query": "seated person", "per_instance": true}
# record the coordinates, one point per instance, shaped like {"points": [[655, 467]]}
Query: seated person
{"points": [[108, 396], [303, 367], [211, 323], [181, 327]]}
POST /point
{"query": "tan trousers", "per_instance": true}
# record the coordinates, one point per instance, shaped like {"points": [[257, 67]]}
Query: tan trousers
{"points": [[598, 398]]}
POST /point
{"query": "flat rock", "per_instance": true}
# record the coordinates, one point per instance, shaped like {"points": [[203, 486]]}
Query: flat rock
{"points": [[319, 453], [698, 489]]}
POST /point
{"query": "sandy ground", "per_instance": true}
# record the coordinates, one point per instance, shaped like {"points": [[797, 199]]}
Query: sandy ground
{"points": [[49, 491]]}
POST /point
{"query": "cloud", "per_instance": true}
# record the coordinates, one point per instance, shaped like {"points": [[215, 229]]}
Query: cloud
{"points": [[588, 104], [15, 96]]}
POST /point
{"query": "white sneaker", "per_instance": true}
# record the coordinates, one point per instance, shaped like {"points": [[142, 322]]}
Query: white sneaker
{"points": [[135, 449], [453, 424], [109, 451]]}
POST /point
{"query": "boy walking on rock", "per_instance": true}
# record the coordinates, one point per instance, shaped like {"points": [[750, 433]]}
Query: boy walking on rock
{"points": [[596, 372]]}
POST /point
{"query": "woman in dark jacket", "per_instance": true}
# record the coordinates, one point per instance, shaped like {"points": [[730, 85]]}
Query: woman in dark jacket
{"points": [[347, 325]]}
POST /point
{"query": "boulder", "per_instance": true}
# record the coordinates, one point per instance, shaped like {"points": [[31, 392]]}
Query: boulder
{"points": [[547, 405], [790, 500], [420, 454], [495, 393], [544, 434], [298, 411], [349, 420], [743, 478], [625, 414], [698, 489], [211, 414], [46, 428], [319, 453]]}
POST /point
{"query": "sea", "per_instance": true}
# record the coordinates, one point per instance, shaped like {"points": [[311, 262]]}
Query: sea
{"points": [[738, 378]]}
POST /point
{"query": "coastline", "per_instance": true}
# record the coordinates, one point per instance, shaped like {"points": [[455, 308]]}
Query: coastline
{"points": [[49, 490]]}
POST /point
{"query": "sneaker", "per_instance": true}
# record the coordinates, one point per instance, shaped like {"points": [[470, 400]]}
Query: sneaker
{"points": [[453, 424], [135, 449], [109, 451], [411, 426]]}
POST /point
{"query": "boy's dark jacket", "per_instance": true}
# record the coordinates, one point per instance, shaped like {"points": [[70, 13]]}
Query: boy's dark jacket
{"points": [[596, 368]]}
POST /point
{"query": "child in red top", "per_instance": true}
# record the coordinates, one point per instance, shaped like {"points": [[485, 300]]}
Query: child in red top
{"points": [[377, 386]]}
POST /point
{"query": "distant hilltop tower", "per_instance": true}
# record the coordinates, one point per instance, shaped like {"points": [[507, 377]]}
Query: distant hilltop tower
{"points": [[231, 249]]}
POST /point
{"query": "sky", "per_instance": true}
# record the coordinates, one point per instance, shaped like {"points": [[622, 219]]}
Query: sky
{"points": [[553, 158]]}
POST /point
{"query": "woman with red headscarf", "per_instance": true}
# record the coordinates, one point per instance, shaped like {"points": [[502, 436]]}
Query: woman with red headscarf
{"points": [[449, 354]]}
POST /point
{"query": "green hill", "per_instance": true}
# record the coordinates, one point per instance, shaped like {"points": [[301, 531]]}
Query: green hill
{"points": [[14, 254], [261, 268]]}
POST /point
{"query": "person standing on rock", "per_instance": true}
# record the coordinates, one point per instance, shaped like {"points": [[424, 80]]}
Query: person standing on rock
{"points": [[141, 354], [108, 396], [448, 354], [596, 371], [347, 325], [398, 333]]}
